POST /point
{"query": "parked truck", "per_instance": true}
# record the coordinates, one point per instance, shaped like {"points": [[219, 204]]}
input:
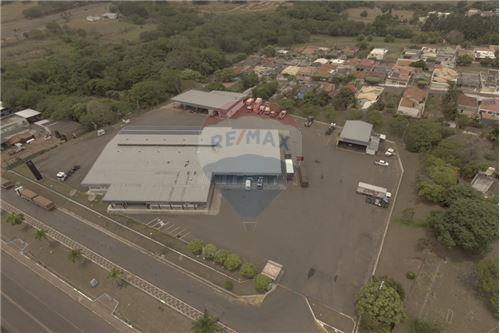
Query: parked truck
{"points": [[302, 175], [373, 191], [35, 198]]}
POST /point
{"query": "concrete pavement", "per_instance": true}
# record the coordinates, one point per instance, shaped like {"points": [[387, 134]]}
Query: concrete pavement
{"points": [[31, 304], [283, 311]]}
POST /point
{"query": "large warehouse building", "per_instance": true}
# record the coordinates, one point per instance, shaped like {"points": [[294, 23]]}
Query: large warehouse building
{"points": [[358, 134], [153, 168], [221, 103]]}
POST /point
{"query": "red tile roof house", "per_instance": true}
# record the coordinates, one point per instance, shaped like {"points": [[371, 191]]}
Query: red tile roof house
{"points": [[399, 76], [488, 110], [467, 105], [413, 102]]}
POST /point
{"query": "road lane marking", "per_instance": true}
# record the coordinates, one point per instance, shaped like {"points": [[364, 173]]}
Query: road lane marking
{"points": [[26, 312]]}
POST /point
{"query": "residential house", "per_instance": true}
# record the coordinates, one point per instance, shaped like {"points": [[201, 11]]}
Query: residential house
{"points": [[307, 51], [442, 77], [413, 102], [404, 62], [467, 105], [484, 53], [290, 71], [320, 61], [343, 70], [378, 74], [488, 110], [473, 11], [328, 87], [377, 53], [399, 76], [306, 73], [368, 95], [352, 87], [470, 82], [263, 71], [446, 57], [325, 71], [349, 51], [413, 54], [489, 82], [428, 54]]}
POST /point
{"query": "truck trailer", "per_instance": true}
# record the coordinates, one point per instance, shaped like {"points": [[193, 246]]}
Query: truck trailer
{"points": [[373, 191], [35, 198]]}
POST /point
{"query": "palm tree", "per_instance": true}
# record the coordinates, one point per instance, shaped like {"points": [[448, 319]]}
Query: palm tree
{"points": [[15, 218], [41, 234], [115, 274], [206, 324], [74, 255]]}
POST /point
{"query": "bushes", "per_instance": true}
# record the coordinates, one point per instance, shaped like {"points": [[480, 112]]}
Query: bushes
{"points": [[262, 283], [248, 270], [411, 275], [232, 262], [487, 271], [220, 256], [195, 246], [209, 251], [422, 135], [228, 285]]}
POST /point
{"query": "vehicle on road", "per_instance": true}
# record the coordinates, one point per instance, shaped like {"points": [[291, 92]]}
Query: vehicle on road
{"points": [[248, 184], [302, 174], [384, 202], [382, 163], [309, 121], [35, 198]]}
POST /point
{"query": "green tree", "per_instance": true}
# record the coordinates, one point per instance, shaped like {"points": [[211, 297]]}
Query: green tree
{"points": [[195, 246], [206, 324], [249, 80], [364, 13], [115, 275], [468, 224], [265, 90], [74, 255], [397, 126], [40, 234], [269, 51], [220, 256], [464, 60], [389, 39], [431, 191], [262, 283], [344, 99], [449, 106], [248, 270], [209, 251], [15, 218], [487, 271], [379, 306], [419, 64], [232, 262], [422, 135]]}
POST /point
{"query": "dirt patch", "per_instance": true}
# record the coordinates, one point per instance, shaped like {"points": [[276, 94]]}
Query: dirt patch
{"points": [[443, 290], [134, 307]]}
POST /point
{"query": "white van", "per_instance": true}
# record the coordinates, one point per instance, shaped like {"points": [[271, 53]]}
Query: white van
{"points": [[248, 184]]}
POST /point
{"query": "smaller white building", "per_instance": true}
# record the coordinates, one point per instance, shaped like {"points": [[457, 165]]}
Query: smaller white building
{"points": [[484, 54], [377, 53]]}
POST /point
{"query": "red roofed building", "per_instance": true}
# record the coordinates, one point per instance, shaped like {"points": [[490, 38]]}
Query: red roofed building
{"points": [[413, 102], [488, 109], [467, 105]]}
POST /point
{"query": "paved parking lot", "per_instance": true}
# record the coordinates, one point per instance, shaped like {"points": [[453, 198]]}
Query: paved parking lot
{"points": [[326, 236]]}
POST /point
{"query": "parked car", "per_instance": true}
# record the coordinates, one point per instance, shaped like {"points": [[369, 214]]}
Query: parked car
{"points": [[248, 184], [309, 121], [390, 152], [382, 163], [260, 183], [330, 129], [384, 203], [62, 175]]}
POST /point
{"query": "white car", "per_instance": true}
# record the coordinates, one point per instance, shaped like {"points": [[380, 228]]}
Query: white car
{"points": [[61, 175], [382, 163], [390, 152], [248, 184]]}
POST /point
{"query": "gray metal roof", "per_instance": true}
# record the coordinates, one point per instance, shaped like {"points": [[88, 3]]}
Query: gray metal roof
{"points": [[164, 166], [356, 130], [209, 100]]}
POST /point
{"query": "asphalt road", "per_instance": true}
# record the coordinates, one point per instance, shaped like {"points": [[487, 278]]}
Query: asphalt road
{"points": [[283, 311], [31, 305]]}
